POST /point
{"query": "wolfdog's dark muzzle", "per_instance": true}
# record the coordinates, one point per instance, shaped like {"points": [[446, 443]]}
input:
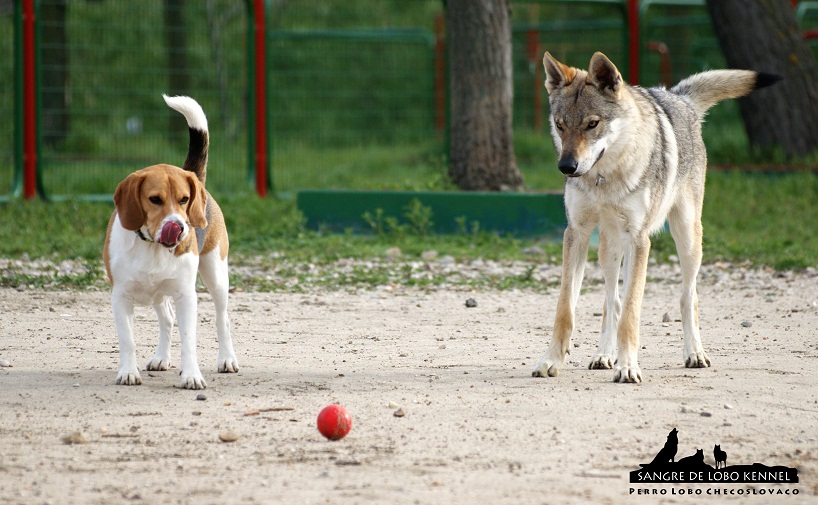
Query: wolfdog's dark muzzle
{"points": [[568, 166]]}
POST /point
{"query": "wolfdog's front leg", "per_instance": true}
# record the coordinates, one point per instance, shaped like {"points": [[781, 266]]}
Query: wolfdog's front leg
{"points": [[627, 363], [610, 258], [574, 255]]}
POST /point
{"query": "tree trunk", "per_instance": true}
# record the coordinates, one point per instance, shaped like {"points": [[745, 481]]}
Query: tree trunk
{"points": [[481, 153], [54, 77], [764, 35]]}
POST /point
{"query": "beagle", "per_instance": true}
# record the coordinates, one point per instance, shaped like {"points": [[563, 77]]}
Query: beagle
{"points": [[165, 228]]}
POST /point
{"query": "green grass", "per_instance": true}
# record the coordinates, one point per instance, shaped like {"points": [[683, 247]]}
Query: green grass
{"points": [[417, 166], [766, 220]]}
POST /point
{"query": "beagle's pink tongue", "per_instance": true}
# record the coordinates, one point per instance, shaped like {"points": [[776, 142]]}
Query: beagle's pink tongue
{"points": [[170, 234]]}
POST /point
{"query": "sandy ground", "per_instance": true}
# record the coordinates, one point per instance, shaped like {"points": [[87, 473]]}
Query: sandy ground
{"points": [[477, 427]]}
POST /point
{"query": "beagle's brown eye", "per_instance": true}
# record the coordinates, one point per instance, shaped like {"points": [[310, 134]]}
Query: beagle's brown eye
{"points": [[184, 200], [155, 200]]}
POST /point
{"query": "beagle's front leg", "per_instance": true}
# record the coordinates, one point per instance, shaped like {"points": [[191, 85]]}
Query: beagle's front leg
{"points": [[122, 306], [191, 376]]}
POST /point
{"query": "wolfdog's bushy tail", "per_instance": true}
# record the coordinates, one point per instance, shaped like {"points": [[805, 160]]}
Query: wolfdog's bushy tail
{"points": [[706, 89]]}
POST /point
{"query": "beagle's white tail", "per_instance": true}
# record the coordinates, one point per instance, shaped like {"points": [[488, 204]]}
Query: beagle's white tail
{"points": [[196, 161]]}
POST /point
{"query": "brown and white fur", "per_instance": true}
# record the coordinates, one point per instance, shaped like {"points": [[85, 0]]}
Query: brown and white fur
{"points": [[632, 158], [165, 228]]}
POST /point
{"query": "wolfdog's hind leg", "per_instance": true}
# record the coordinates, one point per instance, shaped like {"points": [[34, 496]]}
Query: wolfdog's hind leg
{"points": [[686, 228]]}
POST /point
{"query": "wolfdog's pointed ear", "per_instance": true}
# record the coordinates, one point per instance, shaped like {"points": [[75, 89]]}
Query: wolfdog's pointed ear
{"points": [[604, 75], [556, 74]]}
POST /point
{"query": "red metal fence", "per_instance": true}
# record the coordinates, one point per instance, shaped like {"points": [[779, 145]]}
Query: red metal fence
{"points": [[286, 84]]}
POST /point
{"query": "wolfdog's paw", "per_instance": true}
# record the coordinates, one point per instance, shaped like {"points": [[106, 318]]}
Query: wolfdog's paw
{"points": [[549, 365], [601, 362], [158, 364], [697, 360], [192, 381], [228, 365], [630, 374], [128, 378]]}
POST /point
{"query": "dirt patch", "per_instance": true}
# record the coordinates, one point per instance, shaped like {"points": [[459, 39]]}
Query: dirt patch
{"points": [[476, 427]]}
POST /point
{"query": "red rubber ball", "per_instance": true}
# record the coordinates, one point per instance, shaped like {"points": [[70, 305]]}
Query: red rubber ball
{"points": [[334, 422]]}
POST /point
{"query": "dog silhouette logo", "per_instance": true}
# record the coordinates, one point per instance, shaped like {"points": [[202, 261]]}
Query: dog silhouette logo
{"points": [[720, 456], [668, 452], [665, 468]]}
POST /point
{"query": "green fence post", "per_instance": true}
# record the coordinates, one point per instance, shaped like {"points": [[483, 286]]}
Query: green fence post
{"points": [[251, 99]]}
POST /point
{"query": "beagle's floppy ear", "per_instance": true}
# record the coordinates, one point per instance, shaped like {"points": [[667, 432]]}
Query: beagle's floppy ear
{"points": [[128, 201], [196, 212]]}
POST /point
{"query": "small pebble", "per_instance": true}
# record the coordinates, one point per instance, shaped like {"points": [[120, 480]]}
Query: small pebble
{"points": [[706, 414], [4, 363], [201, 397], [399, 413], [74, 438], [428, 255], [471, 303], [228, 436], [666, 318], [746, 324], [728, 406]]}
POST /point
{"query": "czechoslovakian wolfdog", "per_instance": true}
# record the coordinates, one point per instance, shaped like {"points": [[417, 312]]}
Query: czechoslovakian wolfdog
{"points": [[632, 158]]}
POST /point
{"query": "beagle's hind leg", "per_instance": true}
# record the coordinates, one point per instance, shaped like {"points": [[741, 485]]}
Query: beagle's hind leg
{"points": [[213, 270], [166, 316]]}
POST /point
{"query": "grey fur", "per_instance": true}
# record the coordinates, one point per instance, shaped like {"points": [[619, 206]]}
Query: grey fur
{"points": [[633, 158]]}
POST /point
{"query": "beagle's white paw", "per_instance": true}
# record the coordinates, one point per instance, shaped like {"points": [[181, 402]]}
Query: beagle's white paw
{"points": [[128, 378], [192, 381], [158, 364], [228, 365]]}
